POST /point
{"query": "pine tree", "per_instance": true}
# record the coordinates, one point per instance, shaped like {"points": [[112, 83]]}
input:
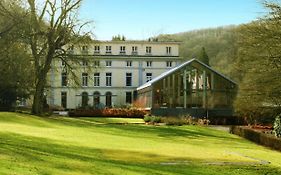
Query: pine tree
{"points": [[203, 56]]}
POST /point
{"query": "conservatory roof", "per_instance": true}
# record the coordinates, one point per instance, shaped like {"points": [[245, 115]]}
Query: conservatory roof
{"points": [[169, 72]]}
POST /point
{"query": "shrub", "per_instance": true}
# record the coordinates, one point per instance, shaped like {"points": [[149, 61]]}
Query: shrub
{"points": [[182, 120], [108, 112], [277, 126], [147, 118], [203, 121], [156, 119], [152, 119]]}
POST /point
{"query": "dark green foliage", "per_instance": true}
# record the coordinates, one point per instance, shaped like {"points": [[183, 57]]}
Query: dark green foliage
{"points": [[277, 126], [203, 56], [259, 64], [152, 119]]}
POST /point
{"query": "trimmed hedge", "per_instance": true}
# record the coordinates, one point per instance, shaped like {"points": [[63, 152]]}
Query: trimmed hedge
{"points": [[110, 112], [257, 137]]}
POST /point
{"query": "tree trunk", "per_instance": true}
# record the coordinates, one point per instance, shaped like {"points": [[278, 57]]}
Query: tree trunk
{"points": [[38, 100]]}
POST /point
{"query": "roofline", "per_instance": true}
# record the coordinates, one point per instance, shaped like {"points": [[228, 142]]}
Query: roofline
{"points": [[138, 41], [165, 74]]}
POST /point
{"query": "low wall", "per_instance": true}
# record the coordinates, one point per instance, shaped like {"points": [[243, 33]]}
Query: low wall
{"points": [[257, 137]]}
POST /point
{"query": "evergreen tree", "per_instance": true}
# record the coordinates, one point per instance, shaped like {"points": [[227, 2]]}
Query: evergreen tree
{"points": [[203, 56]]}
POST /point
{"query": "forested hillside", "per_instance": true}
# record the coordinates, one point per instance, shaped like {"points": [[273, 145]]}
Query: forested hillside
{"points": [[220, 45]]}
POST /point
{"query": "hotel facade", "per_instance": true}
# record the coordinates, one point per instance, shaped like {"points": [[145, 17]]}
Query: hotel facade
{"points": [[107, 73]]}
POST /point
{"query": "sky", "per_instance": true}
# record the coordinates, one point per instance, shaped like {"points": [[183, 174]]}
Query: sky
{"points": [[141, 19]]}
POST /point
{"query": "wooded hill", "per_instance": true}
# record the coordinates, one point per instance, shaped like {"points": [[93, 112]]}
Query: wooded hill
{"points": [[220, 45]]}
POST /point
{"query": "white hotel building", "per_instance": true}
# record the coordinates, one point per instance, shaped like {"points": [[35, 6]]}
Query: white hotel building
{"points": [[109, 72]]}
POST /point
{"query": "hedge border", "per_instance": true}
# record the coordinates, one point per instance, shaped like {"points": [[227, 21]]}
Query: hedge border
{"points": [[257, 137]]}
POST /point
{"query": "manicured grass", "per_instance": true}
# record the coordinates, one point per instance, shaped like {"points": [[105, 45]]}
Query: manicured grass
{"points": [[72, 146]]}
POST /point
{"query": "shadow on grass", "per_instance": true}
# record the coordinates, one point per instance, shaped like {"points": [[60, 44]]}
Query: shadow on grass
{"points": [[33, 155]]}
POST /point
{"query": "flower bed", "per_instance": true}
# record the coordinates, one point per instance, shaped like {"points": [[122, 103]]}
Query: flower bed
{"points": [[109, 112]]}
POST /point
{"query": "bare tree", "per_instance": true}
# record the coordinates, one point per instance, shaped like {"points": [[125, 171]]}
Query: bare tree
{"points": [[51, 28]]}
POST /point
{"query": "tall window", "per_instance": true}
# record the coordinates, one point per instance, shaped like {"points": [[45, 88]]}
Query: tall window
{"points": [[134, 50], [96, 79], [148, 77], [168, 50], [128, 79], [96, 100], [129, 97], [169, 63], [108, 49], [108, 63], [96, 63], [64, 79], [85, 99], [148, 50], [97, 49], [63, 63], [64, 99], [108, 77], [129, 63], [84, 79], [122, 49], [84, 48], [108, 99], [149, 64]]}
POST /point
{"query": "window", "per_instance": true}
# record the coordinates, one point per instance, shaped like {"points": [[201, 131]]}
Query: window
{"points": [[63, 79], [122, 49], [108, 77], [64, 99], [148, 63], [70, 49], [148, 50], [168, 50], [129, 63], [84, 49], [108, 63], [96, 100], [134, 50], [96, 63], [84, 79], [108, 49], [128, 79], [129, 97], [108, 99], [96, 79], [97, 49], [169, 63], [84, 63], [148, 77], [85, 99]]}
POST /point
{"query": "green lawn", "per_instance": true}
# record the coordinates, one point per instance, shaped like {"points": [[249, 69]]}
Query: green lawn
{"points": [[69, 146]]}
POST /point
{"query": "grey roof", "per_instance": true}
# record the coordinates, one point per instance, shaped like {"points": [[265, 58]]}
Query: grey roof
{"points": [[165, 74]]}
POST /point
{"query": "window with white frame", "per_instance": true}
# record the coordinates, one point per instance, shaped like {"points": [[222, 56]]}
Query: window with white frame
{"points": [[134, 49], [168, 50], [122, 49], [148, 77], [84, 48], [128, 79], [96, 63], [97, 49], [84, 63], [108, 49], [108, 79], [149, 64], [169, 64], [64, 79], [108, 63], [96, 79], [129, 63], [84, 79], [148, 50]]}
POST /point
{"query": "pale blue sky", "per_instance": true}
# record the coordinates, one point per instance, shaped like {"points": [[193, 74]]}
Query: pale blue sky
{"points": [[140, 19]]}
